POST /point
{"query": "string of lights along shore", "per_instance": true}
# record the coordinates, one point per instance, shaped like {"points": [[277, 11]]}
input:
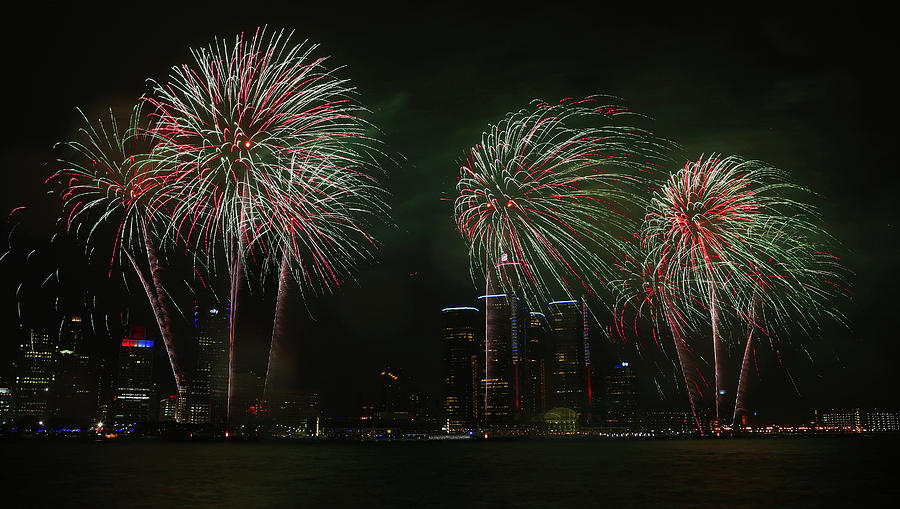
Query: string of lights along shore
{"points": [[253, 169]]}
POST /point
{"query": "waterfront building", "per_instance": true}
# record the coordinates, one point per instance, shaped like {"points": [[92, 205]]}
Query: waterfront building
{"points": [[6, 404], [167, 407], [538, 360], [847, 418], [74, 394], [670, 422], [621, 398], [209, 383], [571, 369], [134, 382], [35, 373], [881, 420], [460, 335]]}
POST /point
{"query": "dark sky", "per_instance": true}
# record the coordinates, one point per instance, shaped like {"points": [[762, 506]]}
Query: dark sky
{"points": [[810, 92]]}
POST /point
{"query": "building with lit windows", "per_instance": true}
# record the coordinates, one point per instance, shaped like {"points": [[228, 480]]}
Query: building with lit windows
{"points": [[209, 383], [35, 373], [669, 422], [538, 359], [74, 394], [881, 420], [6, 404], [570, 367], [622, 398], [461, 329], [134, 381], [852, 418], [503, 357], [167, 406]]}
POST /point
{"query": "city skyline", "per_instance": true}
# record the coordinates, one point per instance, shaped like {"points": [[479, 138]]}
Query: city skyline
{"points": [[770, 109]]}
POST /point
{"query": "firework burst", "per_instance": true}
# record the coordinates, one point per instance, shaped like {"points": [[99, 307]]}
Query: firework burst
{"points": [[108, 188], [265, 154], [713, 230], [551, 197]]}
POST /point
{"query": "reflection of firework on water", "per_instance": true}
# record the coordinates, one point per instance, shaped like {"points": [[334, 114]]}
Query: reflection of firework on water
{"points": [[718, 229], [265, 154], [108, 188], [553, 195]]}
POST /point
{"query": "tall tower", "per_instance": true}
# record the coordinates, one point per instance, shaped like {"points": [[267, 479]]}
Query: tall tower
{"points": [[35, 374], [460, 334], [503, 356], [75, 388], [134, 385], [209, 385], [570, 379], [622, 397], [538, 361]]}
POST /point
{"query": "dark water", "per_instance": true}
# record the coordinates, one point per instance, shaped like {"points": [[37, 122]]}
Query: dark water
{"points": [[802, 472]]}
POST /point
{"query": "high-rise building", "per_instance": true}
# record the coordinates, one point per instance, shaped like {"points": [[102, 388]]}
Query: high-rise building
{"points": [[35, 374], [134, 384], [6, 404], [622, 397], [538, 364], [209, 384], [460, 333], [74, 393], [503, 358], [167, 407], [395, 391], [571, 370]]}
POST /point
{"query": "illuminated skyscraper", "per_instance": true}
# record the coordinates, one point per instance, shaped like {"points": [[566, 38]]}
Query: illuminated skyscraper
{"points": [[537, 355], [35, 373], [622, 397], [502, 352], [167, 406], [460, 334], [6, 404], [570, 379], [209, 385], [74, 393], [134, 384]]}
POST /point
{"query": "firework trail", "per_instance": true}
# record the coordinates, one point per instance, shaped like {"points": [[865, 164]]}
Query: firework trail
{"points": [[644, 290], [108, 190], [262, 146], [793, 284], [701, 228], [551, 199]]}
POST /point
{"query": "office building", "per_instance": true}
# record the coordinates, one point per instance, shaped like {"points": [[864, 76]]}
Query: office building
{"points": [[6, 404], [35, 373], [570, 369], [134, 381], [461, 329], [209, 383], [622, 398], [538, 364], [74, 394]]}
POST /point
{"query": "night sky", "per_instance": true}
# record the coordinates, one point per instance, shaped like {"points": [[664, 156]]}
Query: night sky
{"points": [[810, 92]]}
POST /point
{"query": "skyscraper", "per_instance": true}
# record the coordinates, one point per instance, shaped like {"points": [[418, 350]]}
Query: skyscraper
{"points": [[74, 394], [570, 379], [622, 397], [35, 373], [134, 384], [460, 334], [536, 353], [209, 385], [503, 358]]}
